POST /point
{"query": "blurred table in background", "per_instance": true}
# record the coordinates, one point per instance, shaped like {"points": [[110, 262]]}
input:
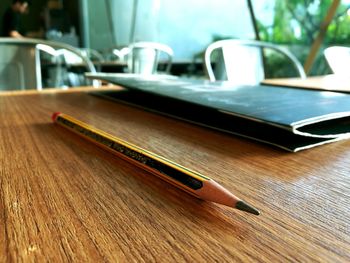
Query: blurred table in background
{"points": [[327, 82], [178, 68]]}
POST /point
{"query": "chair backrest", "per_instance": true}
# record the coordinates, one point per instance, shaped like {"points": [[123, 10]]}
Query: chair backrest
{"points": [[92, 54], [242, 61], [21, 62], [144, 57], [117, 54], [19, 67], [338, 58]]}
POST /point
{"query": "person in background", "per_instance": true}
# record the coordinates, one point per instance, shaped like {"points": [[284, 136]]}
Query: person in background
{"points": [[11, 21]]}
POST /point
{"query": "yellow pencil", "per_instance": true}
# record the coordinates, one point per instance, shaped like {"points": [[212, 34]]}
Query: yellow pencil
{"points": [[190, 181]]}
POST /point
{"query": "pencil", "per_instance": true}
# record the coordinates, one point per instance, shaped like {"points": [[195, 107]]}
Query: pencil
{"points": [[189, 181]]}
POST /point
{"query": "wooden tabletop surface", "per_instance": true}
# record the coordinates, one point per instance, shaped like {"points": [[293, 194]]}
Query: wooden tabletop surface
{"points": [[64, 199], [330, 82]]}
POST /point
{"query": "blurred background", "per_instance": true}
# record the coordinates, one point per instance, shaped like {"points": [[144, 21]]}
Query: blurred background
{"points": [[189, 26]]}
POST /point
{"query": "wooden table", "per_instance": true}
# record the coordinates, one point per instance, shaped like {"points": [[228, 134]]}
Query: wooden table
{"points": [[330, 82], [64, 199], [178, 67]]}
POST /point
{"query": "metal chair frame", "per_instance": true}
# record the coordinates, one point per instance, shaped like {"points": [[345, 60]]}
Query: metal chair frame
{"points": [[51, 47], [157, 48], [338, 59], [232, 43]]}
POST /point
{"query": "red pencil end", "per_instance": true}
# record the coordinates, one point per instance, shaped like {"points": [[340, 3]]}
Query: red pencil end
{"points": [[54, 116]]}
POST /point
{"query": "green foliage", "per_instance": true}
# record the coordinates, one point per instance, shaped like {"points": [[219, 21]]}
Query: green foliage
{"points": [[304, 17], [297, 22], [276, 66]]}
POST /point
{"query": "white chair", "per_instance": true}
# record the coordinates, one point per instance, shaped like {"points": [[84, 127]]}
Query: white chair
{"points": [[144, 57], [25, 63], [92, 54], [115, 54], [242, 61], [338, 58], [121, 54]]}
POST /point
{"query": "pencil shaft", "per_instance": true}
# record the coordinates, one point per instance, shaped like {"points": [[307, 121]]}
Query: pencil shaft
{"points": [[190, 181], [166, 169]]}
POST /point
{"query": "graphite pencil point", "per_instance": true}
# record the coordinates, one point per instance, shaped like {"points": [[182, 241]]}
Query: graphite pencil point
{"points": [[247, 208]]}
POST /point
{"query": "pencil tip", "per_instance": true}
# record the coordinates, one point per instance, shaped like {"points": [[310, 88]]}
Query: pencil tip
{"points": [[247, 208]]}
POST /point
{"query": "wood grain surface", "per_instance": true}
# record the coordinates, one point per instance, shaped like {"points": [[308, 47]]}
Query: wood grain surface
{"points": [[64, 199], [330, 82]]}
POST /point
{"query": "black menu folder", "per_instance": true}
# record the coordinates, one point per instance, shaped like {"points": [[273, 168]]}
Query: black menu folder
{"points": [[292, 119]]}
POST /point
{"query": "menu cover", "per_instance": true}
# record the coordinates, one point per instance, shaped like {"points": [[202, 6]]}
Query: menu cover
{"points": [[292, 119]]}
